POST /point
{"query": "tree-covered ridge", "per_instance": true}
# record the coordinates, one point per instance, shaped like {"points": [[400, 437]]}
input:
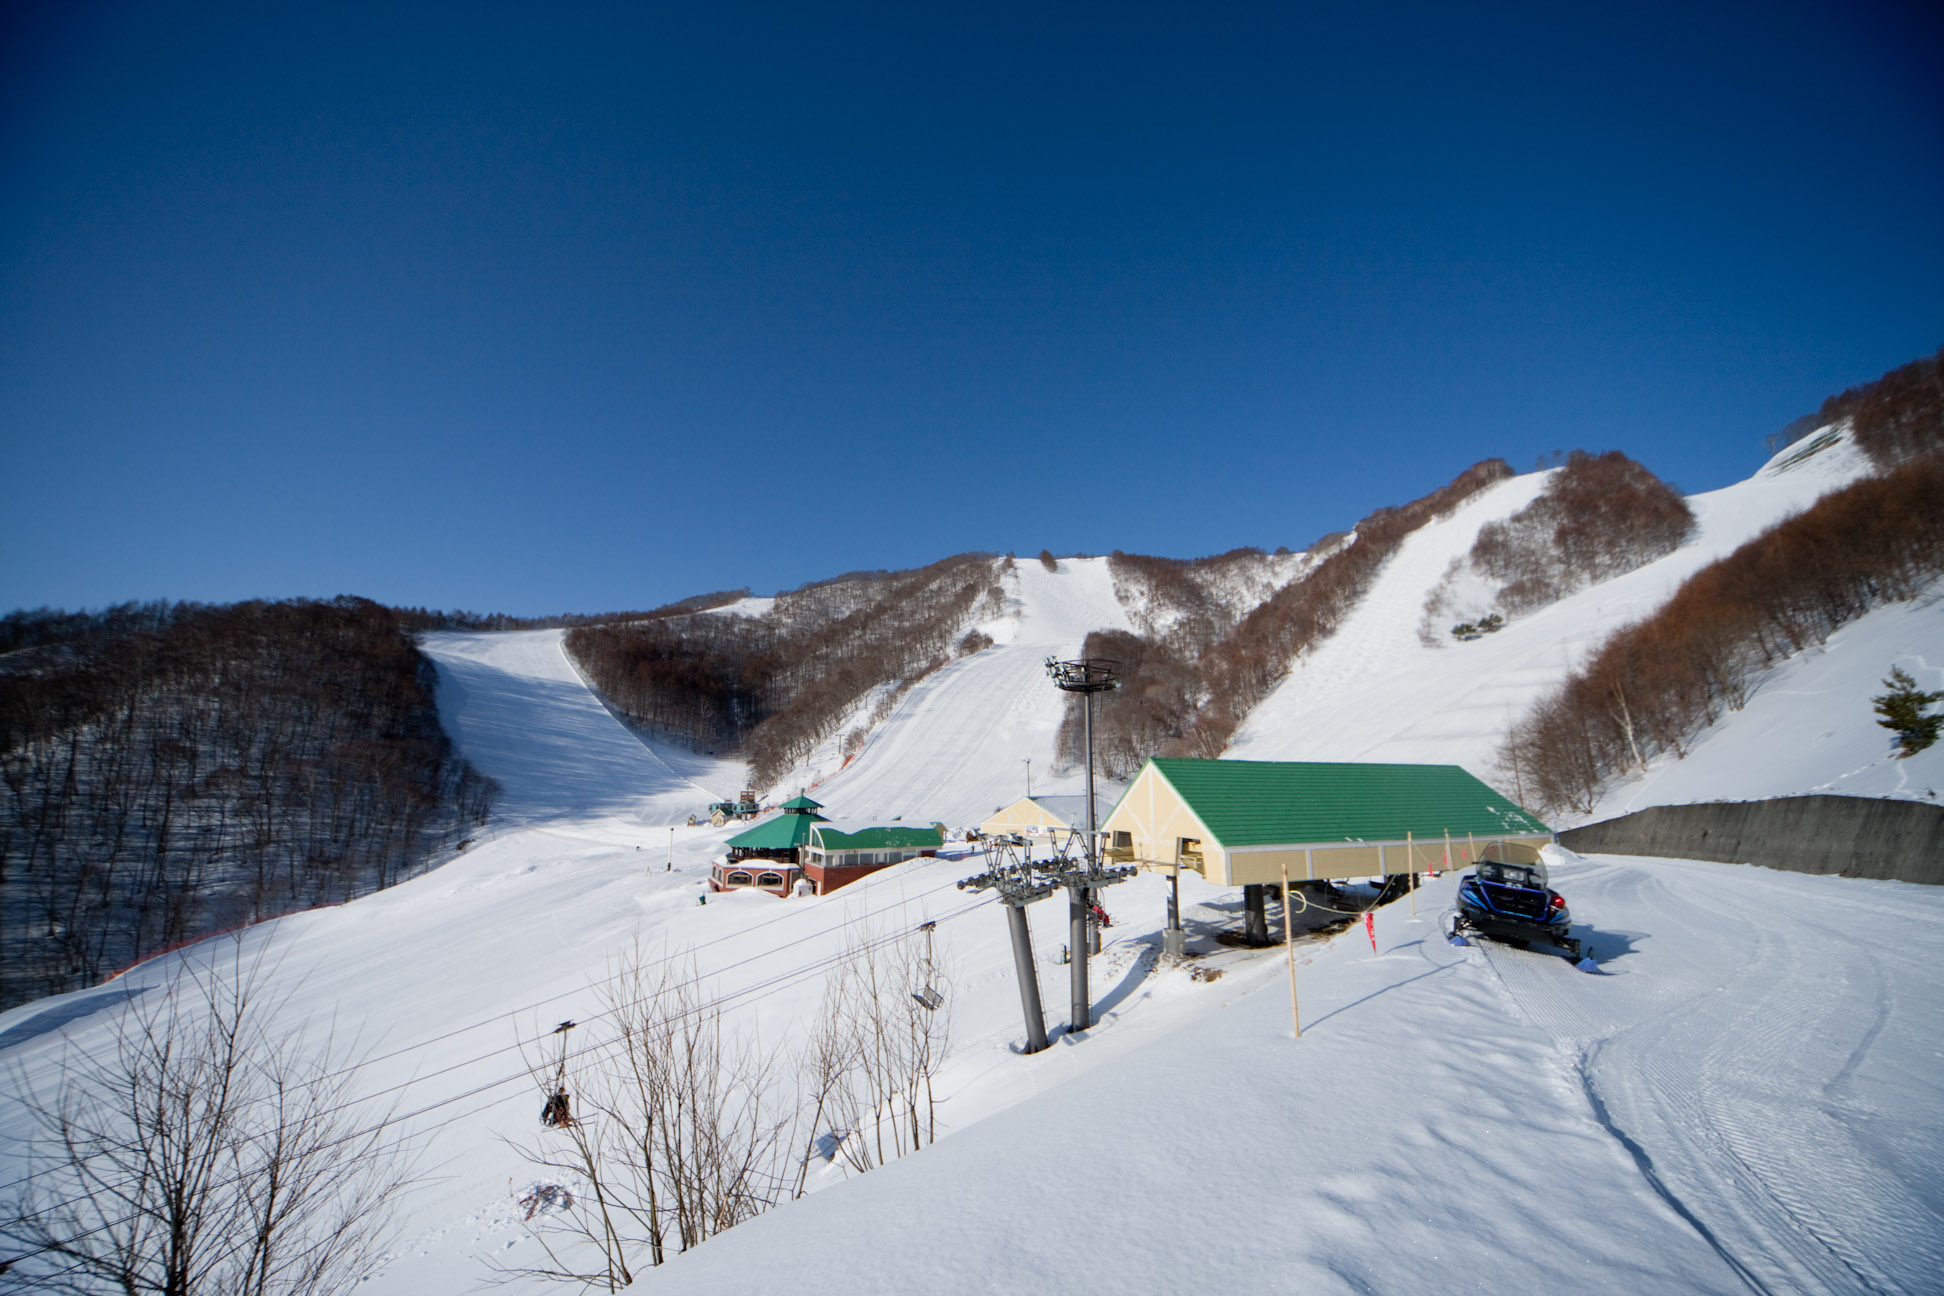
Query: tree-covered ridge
{"points": [[173, 770], [1656, 684], [1182, 696], [775, 686]]}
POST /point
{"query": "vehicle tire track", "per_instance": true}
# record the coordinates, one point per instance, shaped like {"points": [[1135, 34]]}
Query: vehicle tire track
{"points": [[1724, 1074]]}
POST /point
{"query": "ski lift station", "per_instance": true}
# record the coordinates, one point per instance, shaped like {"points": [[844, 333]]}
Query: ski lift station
{"points": [[1242, 823], [1044, 816]]}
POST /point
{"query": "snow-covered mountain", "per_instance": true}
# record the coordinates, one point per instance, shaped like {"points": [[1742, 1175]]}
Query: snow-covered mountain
{"points": [[1744, 1100]]}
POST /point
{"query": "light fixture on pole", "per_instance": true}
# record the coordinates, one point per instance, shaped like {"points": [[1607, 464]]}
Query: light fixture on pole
{"points": [[1085, 676]]}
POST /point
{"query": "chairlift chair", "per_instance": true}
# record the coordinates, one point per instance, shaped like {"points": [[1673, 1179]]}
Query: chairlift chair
{"points": [[927, 995]]}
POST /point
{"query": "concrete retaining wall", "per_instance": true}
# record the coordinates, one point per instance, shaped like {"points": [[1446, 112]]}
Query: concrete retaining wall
{"points": [[1853, 836]]}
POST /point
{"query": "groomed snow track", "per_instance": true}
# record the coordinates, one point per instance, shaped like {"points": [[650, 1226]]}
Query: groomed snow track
{"points": [[1745, 1064]]}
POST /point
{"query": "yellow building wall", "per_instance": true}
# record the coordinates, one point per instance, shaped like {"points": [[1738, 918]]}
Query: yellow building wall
{"points": [[1023, 815], [1157, 820]]}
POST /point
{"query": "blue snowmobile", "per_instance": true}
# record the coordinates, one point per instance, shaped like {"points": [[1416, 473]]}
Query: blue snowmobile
{"points": [[1512, 903]]}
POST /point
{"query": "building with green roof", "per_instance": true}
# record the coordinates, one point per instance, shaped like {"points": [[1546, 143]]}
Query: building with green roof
{"points": [[767, 856], [835, 857], [1242, 823]]}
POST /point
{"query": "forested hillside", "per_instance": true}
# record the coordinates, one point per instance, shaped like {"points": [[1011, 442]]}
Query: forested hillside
{"points": [[775, 685], [174, 769], [1656, 684], [1185, 691]]}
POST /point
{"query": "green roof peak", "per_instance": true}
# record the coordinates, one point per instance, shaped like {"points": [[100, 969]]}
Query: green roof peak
{"points": [[1273, 803]]}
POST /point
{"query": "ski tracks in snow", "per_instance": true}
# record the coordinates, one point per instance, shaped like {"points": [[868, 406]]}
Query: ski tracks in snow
{"points": [[1732, 1064]]}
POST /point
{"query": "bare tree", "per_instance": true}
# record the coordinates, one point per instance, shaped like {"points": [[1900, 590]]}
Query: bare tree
{"points": [[194, 1152], [877, 1048], [668, 1130]]}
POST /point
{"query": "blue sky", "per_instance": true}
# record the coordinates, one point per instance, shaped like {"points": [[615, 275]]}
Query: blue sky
{"points": [[540, 308]]}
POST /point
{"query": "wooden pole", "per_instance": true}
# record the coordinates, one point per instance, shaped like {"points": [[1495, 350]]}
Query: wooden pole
{"points": [[1410, 861], [1289, 947], [1448, 864], [1471, 843]]}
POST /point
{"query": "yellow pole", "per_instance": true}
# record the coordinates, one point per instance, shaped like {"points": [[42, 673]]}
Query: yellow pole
{"points": [[1289, 947]]}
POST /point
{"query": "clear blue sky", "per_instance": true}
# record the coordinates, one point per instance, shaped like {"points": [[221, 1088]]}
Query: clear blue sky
{"points": [[556, 307]]}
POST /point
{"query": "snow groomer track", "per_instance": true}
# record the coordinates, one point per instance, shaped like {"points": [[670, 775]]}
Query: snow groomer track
{"points": [[1745, 1050]]}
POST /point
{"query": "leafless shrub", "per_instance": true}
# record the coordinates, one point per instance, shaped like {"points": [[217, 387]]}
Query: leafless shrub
{"points": [[197, 1153], [1898, 417], [876, 1050], [672, 1128]]}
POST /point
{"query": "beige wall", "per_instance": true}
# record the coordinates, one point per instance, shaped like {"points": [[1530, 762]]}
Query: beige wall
{"points": [[1157, 820], [1023, 815], [1252, 864]]}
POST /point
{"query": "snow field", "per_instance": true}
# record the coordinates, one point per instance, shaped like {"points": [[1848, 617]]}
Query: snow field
{"points": [[1745, 1098]]}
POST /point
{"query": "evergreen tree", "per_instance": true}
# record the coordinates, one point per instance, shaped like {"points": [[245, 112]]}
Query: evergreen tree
{"points": [[1903, 711]]}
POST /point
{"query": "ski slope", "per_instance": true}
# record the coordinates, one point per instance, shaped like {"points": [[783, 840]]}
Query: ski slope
{"points": [[1745, 1100], [1375, 692], [521, 712], [956, 748]]}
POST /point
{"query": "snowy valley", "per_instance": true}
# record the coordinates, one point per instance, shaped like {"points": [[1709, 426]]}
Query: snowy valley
{"points": [[1744, 1098]]}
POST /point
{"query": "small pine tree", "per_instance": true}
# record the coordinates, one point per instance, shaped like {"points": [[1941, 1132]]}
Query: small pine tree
{"points": [[1048, 561], [1903, 712]]}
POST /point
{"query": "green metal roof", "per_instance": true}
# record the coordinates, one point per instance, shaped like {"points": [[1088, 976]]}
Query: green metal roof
{"points": [[801, 802], [779, 833], [1281, 803], [880, 838]]}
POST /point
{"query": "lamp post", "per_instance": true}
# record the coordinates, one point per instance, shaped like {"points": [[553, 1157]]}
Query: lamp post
{"points": [[1085, 676]]}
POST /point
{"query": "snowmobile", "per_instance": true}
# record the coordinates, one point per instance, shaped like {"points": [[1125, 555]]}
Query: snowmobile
{"points": [[1512, 903]]}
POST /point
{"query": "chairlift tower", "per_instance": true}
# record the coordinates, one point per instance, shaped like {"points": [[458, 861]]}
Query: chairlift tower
{"points": [[1012, 875], [1085, 676]]}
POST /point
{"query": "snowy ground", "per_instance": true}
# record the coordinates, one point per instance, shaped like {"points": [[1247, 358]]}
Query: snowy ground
{"points": [[1746, 1099]]}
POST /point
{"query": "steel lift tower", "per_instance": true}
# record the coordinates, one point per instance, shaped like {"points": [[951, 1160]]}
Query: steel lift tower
{"points": [[1085, 676]]}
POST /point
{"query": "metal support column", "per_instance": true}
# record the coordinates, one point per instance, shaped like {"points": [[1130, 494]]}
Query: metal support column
{"points": [[1029, 995], [1174, 941], [1077, 917], [1255, 921]]}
